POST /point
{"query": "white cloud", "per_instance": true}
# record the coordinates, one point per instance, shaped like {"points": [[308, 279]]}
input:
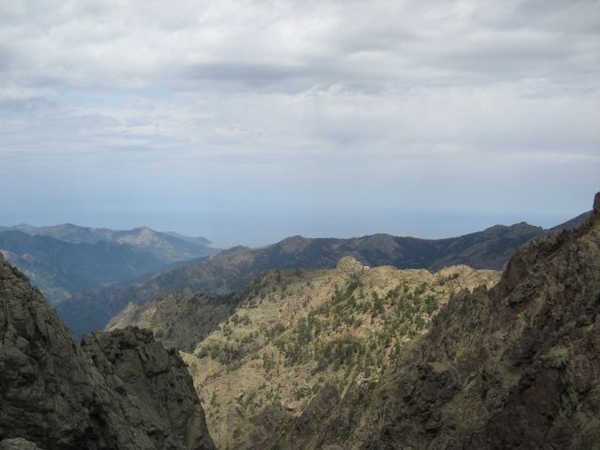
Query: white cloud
{"points": [[379, 95]]}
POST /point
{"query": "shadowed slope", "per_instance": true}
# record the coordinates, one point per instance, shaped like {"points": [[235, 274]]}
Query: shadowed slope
{"points": [[121, 390]]}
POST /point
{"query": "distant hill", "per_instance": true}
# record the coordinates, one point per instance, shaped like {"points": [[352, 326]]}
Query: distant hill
{"points": [[167, 246], [232, 269], [65, 259], [572, 224]]}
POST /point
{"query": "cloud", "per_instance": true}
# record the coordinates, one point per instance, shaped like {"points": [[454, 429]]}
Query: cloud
{"points": [[327, 102], [296, 46]]}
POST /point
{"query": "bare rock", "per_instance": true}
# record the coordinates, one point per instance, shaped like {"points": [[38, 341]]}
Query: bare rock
{"points": [[349, 265], [125, 391], [165, 400]]}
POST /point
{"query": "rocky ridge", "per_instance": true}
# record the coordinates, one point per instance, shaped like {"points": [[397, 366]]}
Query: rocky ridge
{"points": [[118, 390], [512, 367], [299, 338]]}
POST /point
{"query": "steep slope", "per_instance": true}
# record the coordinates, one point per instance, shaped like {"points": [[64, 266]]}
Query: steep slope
{"points": [[297, 331], [231, 270], [120, 390], [514, 367]]}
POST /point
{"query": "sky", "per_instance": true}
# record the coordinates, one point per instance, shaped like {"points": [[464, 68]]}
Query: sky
{"points": [[249, 121]]}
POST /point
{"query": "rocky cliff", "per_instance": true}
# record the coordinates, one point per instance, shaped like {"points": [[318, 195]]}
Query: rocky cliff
{"points": [[513, 367], [118, 390]]}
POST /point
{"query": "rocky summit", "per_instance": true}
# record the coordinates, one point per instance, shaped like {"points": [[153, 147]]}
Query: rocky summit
{"points": [[118, 390]]}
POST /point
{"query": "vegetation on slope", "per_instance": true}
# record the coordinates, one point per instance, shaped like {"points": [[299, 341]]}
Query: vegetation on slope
{"points": [[298, 331]]}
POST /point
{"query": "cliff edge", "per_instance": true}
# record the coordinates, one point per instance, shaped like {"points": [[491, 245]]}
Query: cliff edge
{"points": [[119, 390]]}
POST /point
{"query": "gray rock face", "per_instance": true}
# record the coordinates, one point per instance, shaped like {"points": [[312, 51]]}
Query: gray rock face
{"points": [[118, 391], [162, 394]]}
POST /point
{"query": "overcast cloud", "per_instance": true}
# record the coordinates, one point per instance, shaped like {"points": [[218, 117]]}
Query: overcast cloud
{"points": [[246, 121]]}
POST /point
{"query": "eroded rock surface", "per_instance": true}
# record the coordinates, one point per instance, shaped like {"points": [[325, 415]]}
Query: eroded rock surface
{"points": [[119, 391]]}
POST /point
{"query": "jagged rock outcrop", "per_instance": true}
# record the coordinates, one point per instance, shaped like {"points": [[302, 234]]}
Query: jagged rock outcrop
{"points": [[513, 367], [120, 391]]}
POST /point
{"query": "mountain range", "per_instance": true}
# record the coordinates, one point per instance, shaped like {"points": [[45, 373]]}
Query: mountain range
{"points": [[64, 259], [230, 270], [169, 246]]}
